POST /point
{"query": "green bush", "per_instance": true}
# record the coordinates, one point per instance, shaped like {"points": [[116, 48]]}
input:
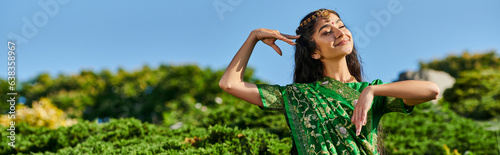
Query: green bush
{"points": [[425, 131], [429, 127], [4, 89], [454, 64], [130, 136], [476, 94], [231, 112], [143, 94]]}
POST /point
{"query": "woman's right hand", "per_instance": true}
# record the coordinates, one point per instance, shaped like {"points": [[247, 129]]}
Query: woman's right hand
{"points": [[268, 37]]}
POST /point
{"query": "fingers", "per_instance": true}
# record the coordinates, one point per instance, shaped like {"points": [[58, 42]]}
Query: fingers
{"points": [[267, 34], [276, 48], [359, 119], [358, 129], [290, 36], [359, 125], [285, 39], [270, 36], [355, 122], [361, 122]]}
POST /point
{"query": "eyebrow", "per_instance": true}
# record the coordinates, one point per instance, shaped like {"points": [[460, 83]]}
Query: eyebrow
{"points": [[327, 25]]}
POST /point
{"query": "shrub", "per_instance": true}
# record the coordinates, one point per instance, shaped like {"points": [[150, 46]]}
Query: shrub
{"points": [[429, 127], [126, 136], [454, 64], [43, 113], [476, 94]]}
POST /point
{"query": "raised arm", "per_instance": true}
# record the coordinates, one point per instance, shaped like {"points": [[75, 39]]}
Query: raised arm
{"points": [[232, 80]]}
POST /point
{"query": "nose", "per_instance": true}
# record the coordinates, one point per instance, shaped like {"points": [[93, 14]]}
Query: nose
{"points": [[338, 33]]}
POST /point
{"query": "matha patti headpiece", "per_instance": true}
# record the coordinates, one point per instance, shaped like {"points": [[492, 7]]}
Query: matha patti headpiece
{"points": [[324, 13]]}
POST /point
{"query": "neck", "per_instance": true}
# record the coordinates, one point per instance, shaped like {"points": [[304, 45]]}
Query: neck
{"points": [[338, 70]]}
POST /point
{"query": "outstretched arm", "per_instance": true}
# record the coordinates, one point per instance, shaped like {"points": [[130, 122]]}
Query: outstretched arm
{"points": [[412, 92], [232, 80]]}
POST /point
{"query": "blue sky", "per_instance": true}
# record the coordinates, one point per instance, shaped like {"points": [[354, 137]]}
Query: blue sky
{"points": [[392, 35]]}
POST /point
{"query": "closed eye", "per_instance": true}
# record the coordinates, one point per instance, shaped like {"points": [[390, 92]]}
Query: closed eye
{"points": [[329, 32]]}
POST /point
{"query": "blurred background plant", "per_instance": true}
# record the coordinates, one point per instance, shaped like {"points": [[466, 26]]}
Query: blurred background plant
{"points": [[42, 114], [476, 92]]}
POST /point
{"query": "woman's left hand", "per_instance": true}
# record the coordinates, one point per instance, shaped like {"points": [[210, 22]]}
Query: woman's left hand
{"points": [[361, 108]]}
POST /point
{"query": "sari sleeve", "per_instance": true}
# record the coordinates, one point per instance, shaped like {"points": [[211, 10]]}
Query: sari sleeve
{"points": [[386, 104], [271, 96], [392, 104]]}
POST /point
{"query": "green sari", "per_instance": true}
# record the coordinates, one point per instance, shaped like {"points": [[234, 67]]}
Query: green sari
{"points": [[319, 115]]}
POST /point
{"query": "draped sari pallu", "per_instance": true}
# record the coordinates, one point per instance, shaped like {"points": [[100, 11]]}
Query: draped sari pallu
{"points": [[319, 115]]}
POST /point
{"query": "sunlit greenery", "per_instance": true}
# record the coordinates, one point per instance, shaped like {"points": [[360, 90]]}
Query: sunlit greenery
{"points": [[181, 109], [476, 92], [42, 114], [454, 64]]}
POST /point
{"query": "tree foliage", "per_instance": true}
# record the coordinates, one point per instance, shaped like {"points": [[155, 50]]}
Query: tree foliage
{"points": [[476, 92], [4, 89], [144, 94], [454, 64]]}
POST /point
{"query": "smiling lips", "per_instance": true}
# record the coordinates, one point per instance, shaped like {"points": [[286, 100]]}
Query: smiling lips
{"points": [[342, 42]]}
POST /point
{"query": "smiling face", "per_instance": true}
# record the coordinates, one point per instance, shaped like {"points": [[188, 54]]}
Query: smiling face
{"points": [[324, 45], [333, 40]]}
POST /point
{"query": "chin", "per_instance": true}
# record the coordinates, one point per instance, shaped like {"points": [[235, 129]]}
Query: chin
{"points": [[345, 49]]}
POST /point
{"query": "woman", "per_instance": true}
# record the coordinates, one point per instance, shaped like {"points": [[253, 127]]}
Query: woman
{"points": [[328, 107]]}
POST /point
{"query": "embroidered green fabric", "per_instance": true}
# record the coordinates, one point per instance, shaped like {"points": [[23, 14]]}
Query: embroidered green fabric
{"points": [[319, 115]]}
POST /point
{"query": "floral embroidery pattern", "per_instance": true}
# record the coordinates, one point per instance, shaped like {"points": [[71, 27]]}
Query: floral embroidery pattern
{"points": [[319, 115], [271, 97], [395, 105], [342, 130]]}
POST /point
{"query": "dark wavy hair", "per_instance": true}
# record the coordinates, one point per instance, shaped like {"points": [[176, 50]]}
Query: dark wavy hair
{"points": [[307, 69]]}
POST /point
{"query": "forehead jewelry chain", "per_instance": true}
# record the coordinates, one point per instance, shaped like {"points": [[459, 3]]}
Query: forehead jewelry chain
{"points": [[325, 14]]}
